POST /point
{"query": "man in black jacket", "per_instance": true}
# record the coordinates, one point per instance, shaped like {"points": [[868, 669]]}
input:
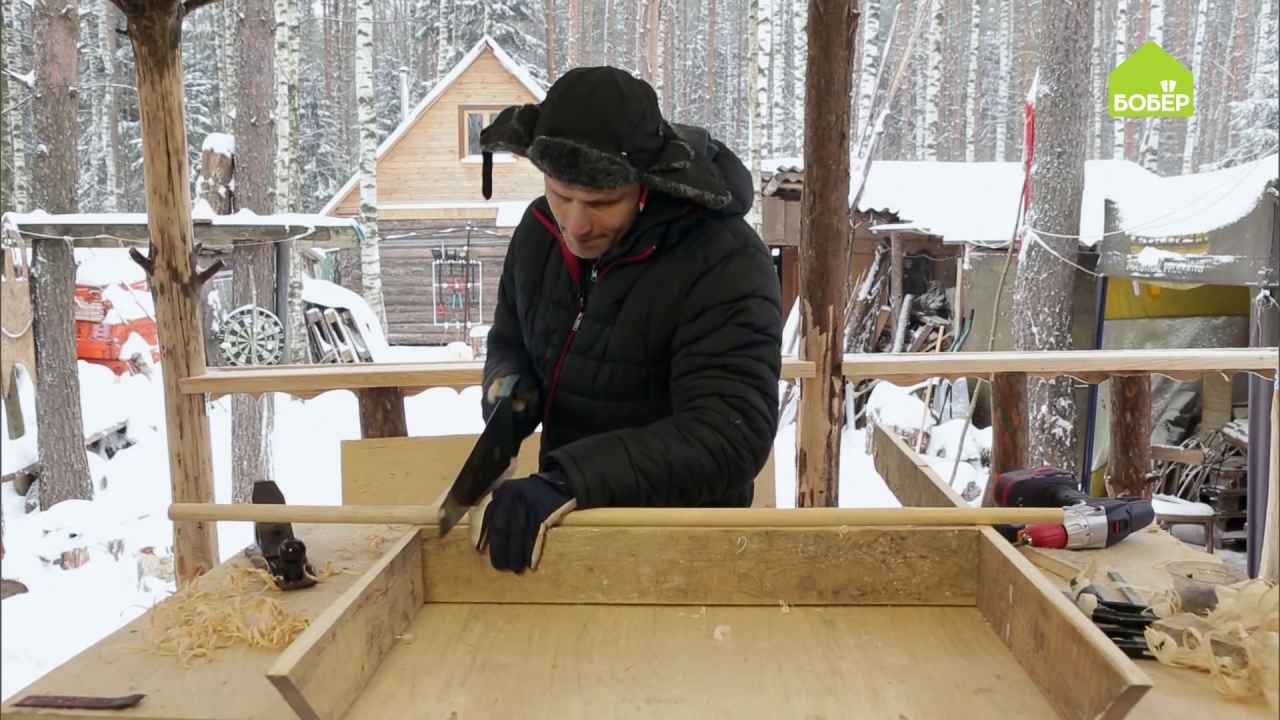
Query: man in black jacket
{"points": [[638, 314]]}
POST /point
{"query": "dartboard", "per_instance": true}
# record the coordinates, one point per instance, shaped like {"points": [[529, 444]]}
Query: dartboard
{"points": [[251, 335]]}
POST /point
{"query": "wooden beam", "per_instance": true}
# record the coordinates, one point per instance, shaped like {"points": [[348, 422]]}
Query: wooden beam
{"points": [[382, 413], [155, 31], [1074, 363], [1077, 668], [411, 378], [323, 671], [1008, 425], [1130, 437], [718, 566], [824, 248], [909, 478], [1269, 557], [631, 517], [1169, 453], [217, 237]]}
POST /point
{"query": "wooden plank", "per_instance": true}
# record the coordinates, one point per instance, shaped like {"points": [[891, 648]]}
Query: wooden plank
{"points": [[1215, 396], [899, 368], [631, 517], [678, 663], [1009, 426], [908, 476], [718, 566], [310, 380], [382, 413], [323, 671], [1130, 437], [413, 470], [232, 685], [1169, 453], [1077, 668]]}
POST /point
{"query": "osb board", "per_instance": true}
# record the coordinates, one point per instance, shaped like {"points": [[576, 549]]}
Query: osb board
{"points": [[1079, 670], [327, 666], [591, 661], [726, 566], [419, 470], [234, 683]]}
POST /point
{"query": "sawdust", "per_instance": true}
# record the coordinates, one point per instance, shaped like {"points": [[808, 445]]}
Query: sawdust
{"points": [[211, 614], [1248, 617]]}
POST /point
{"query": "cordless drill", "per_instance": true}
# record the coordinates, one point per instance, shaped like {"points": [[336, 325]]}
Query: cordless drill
{"points": [[1089, 523]]}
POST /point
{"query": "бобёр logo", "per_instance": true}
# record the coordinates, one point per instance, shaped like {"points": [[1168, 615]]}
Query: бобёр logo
{"points": [[1151, 83]]}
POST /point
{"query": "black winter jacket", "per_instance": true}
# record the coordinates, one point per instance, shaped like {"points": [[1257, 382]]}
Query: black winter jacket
{"points": [[659, 378]]}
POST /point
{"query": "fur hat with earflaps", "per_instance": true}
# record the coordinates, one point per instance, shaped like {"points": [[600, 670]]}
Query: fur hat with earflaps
{"points": [[600, 127]]}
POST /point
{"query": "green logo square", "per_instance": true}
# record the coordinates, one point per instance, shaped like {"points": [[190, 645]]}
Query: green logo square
{"points": [[1151, 83]]}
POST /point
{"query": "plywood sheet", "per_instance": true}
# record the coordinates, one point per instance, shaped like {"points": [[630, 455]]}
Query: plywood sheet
{"points": [[737, 566], [546, 661], [234, 684]]}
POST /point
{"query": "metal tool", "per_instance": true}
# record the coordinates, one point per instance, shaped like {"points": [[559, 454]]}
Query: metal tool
{"points": [[278, 551], [488, 460]]}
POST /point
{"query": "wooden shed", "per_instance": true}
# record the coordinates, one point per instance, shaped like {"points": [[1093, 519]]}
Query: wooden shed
{"points": [[442, 243]]}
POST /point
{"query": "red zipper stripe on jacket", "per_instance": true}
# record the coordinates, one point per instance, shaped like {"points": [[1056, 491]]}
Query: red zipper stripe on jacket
{"points": [[577, 321], [570, 260]]}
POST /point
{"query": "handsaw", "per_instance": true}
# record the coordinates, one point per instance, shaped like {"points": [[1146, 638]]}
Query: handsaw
{"points": [[485, 465]]}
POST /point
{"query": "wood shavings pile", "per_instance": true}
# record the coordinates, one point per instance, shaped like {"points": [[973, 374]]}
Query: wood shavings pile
{"points": [[199, 619], [1247, 617]]}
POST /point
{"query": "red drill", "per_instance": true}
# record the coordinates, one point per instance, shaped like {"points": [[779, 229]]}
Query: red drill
{"points": [[1090, 522]]}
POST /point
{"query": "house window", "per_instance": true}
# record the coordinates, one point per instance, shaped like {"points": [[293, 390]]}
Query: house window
{"points": [[474, 120]]}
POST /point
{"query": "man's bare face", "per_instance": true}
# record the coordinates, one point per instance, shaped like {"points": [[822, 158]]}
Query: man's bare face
{"points": [[592, 221]]}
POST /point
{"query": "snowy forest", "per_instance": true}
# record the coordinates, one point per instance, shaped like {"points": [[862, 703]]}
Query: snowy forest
{"points": [[957, 96]]}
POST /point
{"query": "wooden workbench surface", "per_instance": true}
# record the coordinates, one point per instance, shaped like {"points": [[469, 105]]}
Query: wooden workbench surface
{"points": [[234, 683], [593, 661]]}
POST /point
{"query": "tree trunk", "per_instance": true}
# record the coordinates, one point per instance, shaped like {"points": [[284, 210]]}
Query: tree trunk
{"points": [[371, 266], [253, 266], [708, 109], [869, 71], [1130, 436], [574, 31], [1043, 290], [653, 13], [824, 258], [1122, 50], [971, 83], [15, 127], [762, 50], [1151, 147], [109, 129], [229, 62], [60, 426], [1097, 84], [1189, 164], [174, 284], [549, 15], [285, 102], [6, 178], [214, 185], [54, 177], [933, 86], [1006, 72], [1008, 426]]}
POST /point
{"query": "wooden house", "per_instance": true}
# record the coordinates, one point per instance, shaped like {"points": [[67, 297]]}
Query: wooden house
{"points": [[442, 243]]}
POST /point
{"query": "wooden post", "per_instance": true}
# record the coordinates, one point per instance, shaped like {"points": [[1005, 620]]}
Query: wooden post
{"points": [[382, 413], [1269, 556], [1008, 426], [1130, 436], [155, 29], [896, 275], [214, 185], [824, 256]]}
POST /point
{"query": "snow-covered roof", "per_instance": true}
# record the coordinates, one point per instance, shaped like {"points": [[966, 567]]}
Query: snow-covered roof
{"points": [[509, 63], [978, 202], [132, 226]]}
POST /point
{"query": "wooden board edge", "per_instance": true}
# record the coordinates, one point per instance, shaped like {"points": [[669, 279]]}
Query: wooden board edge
{"points": [[1081, 672], [392, 585], [909, 478]]}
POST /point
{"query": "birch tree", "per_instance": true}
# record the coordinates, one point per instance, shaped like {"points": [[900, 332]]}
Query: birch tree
{"points": [[1197, 63], [971, 83], [108, 128], [869, 72], [933, 87], [1121, 50], [19, 93], [1097, 83], [1043, 289], [1151, 145], [763, 51], [1006, 73], [370, 263]]}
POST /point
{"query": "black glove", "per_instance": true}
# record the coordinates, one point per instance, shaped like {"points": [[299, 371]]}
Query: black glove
{"points": [[526, 405], [517, 518]]}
